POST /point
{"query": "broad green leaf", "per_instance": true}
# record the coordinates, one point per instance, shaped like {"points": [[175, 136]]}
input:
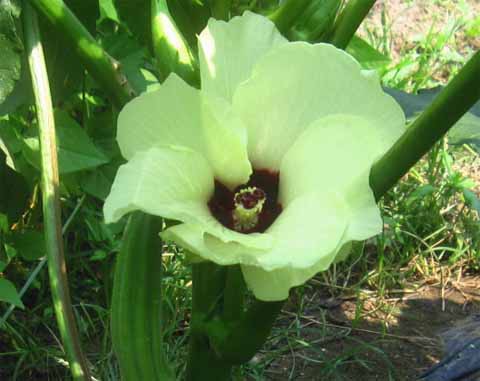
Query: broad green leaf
{"points": [[9, 294], [76, 151], [14, 191], [65, 70], [465, 131], [98, 182], [29, 244], [367, 55], [412, 104], [11, 48]]}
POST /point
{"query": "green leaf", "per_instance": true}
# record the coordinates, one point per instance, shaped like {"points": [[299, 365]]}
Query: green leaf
{"points": [[76, 151], [420, 192], [132, 58], [466, 131], [9, 294], [136, 16], [412, 104], [11, 48], [65, 71], [108, 11], [99, 181], [367, 55], [14, 191], [472, 200], [29, 244]]}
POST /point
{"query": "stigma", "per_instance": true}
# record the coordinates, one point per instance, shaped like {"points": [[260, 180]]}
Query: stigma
{"points": [[248, 205]]}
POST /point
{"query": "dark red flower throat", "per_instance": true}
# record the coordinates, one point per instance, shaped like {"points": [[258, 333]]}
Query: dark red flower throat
{"points": [[250, 208]]}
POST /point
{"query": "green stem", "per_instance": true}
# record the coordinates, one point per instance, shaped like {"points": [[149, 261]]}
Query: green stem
{"points": [[238, 343], [349, 20], [50, 198], [286, 15], [447, 108], [171, 50], [234, 294], [316, 21], [103, 68], [203, 362], [221, 9]]}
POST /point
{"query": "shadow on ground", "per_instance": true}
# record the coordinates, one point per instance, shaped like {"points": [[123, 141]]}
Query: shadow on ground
{"points": [[397, 339]]}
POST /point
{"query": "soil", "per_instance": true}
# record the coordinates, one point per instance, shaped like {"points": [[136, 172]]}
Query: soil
{"points": [[396, 338]]}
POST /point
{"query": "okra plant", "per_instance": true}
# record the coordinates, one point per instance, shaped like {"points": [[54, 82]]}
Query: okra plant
{"points": [[251, 137]]}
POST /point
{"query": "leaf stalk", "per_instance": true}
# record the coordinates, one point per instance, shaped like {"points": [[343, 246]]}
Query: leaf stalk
{"points": [[50, 199]]}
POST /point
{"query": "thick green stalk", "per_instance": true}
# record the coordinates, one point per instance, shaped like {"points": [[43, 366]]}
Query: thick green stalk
{"points": [[50, 199], [447, 108], [286, 15], [237, 343], [221, 9], [234, 292], [137, 302], [349, 20], [316, 21], [171, 50], [103, 68], [208, 287]]}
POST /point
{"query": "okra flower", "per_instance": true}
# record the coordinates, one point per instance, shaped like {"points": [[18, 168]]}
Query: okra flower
{"points": [[266, 166]]}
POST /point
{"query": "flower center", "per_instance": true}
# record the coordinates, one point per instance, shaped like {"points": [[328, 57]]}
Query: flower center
{"points": [[248, 206], [251, 207]]}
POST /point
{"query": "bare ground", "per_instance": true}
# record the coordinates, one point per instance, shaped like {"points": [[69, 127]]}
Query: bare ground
{"points": [[397, 337]]}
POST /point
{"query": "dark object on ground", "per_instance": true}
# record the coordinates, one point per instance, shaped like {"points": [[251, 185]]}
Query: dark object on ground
{"points": [[462, 353]]}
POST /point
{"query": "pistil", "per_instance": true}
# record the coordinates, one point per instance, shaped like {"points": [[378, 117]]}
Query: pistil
{"points": [[249, 204]]}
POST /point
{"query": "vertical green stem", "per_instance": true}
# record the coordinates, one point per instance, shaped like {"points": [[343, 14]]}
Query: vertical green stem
{"points": [[447, 108], [349, 20], [103, 68], [208, 287], [50, 198], [233, 297], [221, 9], [171, 50], [244, 338], [286, 15]]}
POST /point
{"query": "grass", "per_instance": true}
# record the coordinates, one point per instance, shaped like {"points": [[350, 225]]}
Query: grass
{"points": [[429, 232]]}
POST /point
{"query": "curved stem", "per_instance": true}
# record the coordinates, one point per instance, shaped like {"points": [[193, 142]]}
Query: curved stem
{"points": [[286, 15], [50, 198], [103, 68], [171, 50], [446, 109], [349, 20]]}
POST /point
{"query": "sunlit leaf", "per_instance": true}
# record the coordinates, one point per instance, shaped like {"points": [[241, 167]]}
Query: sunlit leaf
{"points": [[76, 151], [366, 54]]}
